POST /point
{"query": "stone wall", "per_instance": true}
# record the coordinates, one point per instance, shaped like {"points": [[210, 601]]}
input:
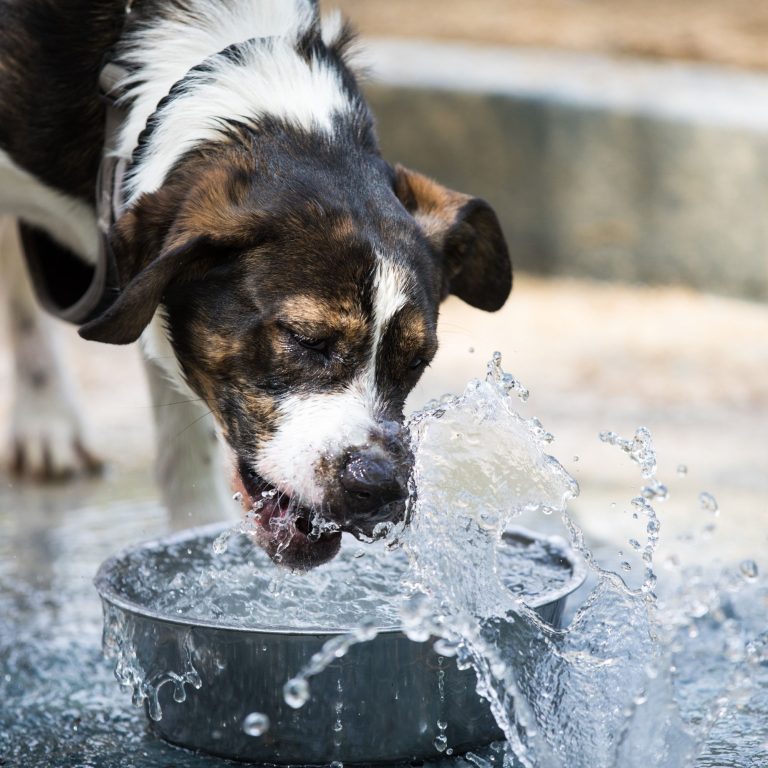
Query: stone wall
{"points": [[605, 168]]}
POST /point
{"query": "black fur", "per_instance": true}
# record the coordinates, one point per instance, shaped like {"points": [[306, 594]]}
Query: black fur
{"points": [[262, 247]]}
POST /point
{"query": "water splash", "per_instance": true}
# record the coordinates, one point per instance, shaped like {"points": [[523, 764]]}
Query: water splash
{"points": [[479, 465], [118, 644]]}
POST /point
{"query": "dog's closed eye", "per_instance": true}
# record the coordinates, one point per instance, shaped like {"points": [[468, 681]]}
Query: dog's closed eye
{"points": [[316, 345], [313, 342]]}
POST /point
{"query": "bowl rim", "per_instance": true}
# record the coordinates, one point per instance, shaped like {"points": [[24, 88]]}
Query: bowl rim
{"points": [[112, 597]]}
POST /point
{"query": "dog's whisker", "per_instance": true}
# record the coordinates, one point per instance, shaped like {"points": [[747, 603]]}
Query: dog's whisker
{"points": [[192, 424], [180, 402]]}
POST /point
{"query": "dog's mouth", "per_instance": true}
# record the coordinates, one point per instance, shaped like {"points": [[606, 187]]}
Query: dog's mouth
{"points": [[293, 535]]}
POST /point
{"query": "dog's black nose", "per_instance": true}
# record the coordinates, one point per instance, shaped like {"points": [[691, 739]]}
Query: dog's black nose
{"points": [[371, 481]]}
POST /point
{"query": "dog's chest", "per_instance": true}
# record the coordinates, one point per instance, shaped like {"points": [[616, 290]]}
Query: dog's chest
{"points": [[71, 222]]}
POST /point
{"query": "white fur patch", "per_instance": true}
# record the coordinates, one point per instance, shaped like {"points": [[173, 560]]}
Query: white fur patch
{"points": [[70, 222], [270, 79], [389, 289], [313, 427], [156, 346]]}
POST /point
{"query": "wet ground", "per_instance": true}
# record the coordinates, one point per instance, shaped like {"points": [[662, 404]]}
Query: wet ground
{"points": [[691, 368]]}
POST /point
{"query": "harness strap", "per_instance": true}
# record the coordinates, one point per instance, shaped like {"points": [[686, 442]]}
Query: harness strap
{"points": [[96, 295], [64, 285]]}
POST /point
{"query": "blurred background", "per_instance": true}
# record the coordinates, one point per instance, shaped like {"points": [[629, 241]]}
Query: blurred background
{"points": [[623, 145]]}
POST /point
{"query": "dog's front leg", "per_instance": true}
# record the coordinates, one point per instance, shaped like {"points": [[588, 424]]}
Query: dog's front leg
{"points": [[48, 436], [191, 469]]}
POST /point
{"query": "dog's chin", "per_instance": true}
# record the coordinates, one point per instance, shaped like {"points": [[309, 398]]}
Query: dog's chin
{"points": [[286, 531]]}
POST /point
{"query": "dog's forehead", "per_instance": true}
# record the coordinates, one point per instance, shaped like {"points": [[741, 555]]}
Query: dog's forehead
{"points": [[360, 301], [332, 267]]}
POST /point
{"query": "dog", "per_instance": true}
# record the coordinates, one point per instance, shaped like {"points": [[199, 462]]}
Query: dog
{"points": [[276, 270]]}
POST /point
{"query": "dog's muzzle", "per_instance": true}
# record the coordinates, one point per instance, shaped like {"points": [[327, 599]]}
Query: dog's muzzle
{"points": [[374, 487]]}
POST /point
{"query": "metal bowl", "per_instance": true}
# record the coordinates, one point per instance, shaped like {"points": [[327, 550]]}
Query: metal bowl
{"points": [[379, 703]]}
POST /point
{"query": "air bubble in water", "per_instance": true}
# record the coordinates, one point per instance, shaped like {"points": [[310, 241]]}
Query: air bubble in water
{"points": [[708, 502], [296, 692], [748, 569], [337, 764], [256, 724]]}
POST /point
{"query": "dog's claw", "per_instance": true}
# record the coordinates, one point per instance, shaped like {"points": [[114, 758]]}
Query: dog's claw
{"points": [[48, 460], [48, 443]]}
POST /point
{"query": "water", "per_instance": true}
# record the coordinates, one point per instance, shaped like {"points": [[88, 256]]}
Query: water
{"points": [[256, 724], [661, 665], [359, 590], [646, 674]]}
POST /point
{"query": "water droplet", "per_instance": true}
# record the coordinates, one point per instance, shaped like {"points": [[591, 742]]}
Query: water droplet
{"points": [[634, 543], [575, 458], [471, 350], [625, 566], [441, 742], [708, 502], [655, 490], [337, 764], [367, 629], [220, 543], [749, 569], [256, 724], [442, 724], [446, 647], [682, 470], [237, 497], [296, 692]]}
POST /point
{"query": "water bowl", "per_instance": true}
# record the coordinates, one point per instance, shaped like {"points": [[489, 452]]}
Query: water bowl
{"points": [[208, 641]]}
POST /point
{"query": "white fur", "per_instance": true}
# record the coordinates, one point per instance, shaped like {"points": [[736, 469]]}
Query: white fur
{"points": [[71, 222], [272, 79], [190, 464], [156, 346], [323, 426], [47, 424], [389, 287], [311, 427]]}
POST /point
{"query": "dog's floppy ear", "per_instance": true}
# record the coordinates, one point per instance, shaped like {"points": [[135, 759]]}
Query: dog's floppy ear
{"points": [[466, 232], [124, 321], [158, 241]]}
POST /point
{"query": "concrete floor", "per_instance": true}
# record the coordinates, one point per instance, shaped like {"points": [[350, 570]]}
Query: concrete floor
{"points": [[692, 368]]}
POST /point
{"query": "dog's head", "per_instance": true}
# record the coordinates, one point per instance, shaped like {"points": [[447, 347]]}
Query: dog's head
{"points": [[300, 292]]}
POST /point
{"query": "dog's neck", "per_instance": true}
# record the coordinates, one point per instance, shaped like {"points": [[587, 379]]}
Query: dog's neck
{"points": [[239, 63]]}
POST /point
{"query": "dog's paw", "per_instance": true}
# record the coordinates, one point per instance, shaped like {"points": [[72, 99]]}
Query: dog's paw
{"points": [[48, 440]]}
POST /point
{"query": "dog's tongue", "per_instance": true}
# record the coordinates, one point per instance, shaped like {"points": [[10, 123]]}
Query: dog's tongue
{"points": [[279, 535]]}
